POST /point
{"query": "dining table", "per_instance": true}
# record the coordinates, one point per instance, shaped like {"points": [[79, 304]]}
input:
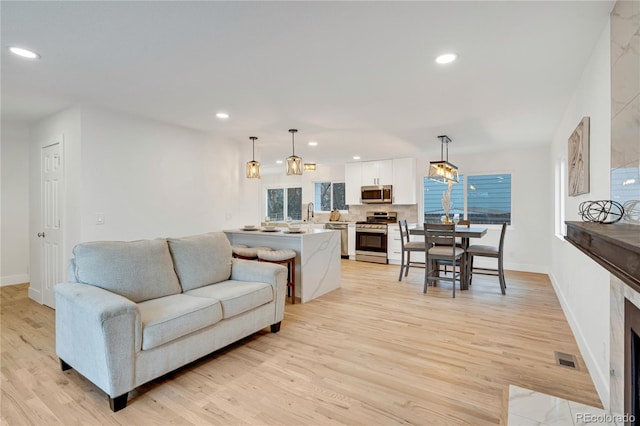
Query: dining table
{"points": [[465, 233]]}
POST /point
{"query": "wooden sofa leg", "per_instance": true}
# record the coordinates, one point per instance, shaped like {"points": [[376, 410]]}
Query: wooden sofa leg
{"points": [[64, 366], [276, 327], [119, 402]]}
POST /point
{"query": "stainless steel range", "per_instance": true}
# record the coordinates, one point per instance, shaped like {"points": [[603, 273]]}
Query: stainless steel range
{"points": [[371, 236]]}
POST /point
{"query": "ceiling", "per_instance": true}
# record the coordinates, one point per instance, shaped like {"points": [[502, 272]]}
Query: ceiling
{"points": [[357, 77]]}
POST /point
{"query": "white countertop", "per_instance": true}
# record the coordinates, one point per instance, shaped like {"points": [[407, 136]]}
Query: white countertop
{"points": [[339, 222], [281, 232], [296, 223]]}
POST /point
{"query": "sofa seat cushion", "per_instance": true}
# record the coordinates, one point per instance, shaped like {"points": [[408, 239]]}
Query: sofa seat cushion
{"points": [[236, 296], [201, 259], [168, 318], [137, 270]]}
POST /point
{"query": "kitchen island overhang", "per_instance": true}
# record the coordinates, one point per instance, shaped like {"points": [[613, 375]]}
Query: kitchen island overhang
{"points": [[318, 268]]}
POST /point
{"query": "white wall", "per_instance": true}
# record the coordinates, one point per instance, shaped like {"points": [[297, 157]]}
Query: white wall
{"points": [[527, 238], [14, 245], [149, 179], [582, 285]]}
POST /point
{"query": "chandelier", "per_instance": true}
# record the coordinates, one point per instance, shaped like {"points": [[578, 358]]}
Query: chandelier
{"points": [[443, 171]]}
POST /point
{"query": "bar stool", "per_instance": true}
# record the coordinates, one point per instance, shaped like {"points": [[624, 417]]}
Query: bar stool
{"points": [[287, 257], [241, 251]]}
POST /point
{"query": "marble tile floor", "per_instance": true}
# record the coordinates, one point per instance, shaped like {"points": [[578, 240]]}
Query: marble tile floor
{"points": [[527, 407]]}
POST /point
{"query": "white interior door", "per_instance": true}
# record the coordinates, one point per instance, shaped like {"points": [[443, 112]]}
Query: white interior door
{"points": [[51, 232]]}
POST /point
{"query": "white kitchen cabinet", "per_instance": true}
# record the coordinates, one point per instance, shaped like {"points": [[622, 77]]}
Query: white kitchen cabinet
{"points": [[377, 172], [351, 241], [352, 183], [404, 181], [394, 245], [370, 173]]}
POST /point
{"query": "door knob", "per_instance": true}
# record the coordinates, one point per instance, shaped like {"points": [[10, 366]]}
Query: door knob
{"points": [[41, 234]]}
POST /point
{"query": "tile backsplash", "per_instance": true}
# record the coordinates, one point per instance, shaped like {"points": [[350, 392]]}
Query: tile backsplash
{"points": [[359, 212], [408, 212]]}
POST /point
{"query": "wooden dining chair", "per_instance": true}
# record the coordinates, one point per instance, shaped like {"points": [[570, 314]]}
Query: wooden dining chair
{"points": [[408, 247], [445, 264], [492, 252], [441, 243]]}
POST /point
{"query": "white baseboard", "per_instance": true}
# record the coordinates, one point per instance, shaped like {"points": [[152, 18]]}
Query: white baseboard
{"points": [[14, 279], [511, 266], [600, 378], [35, 295], [526, 267]]}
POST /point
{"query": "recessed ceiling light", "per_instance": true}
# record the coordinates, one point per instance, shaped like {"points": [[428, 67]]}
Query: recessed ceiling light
{"points": [[313, 143], [446, 58], [24, 52], [222, 115], [279, 162], [356, 157]]}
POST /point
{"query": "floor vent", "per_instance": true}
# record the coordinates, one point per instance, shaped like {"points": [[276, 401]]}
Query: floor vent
{"points": [[566, 360]]}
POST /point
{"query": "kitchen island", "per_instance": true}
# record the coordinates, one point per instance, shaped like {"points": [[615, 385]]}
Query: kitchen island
{"points": [[317, 256]]}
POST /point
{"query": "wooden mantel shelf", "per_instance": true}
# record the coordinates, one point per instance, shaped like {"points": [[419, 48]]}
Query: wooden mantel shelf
{"points": [[616, 247]]}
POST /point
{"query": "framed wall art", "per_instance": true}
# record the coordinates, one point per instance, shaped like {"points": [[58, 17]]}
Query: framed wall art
{"points": [[579, 159]]}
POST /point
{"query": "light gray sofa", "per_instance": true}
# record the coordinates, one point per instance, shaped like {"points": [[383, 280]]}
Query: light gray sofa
{"points": [[133, 311]]}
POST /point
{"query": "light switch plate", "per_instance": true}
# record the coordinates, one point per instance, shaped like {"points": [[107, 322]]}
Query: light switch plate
{"points": [[99, 218]]}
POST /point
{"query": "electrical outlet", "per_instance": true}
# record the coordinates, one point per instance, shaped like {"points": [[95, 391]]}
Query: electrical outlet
{"points": [[99, 218]]}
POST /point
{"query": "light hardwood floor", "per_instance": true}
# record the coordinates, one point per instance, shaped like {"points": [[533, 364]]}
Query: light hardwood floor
{"points": [[376, 351]]}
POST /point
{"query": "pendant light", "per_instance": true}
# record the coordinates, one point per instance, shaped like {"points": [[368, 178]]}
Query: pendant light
{"points": [[311, 167], [253, 166], [294, 163], [443, 171]]}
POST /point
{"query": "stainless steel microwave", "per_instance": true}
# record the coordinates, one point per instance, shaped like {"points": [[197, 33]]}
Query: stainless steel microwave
{"points": [[376, 194]]}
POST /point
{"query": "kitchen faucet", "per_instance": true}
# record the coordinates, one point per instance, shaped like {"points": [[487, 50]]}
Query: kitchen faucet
{"points": [[309, 211]]}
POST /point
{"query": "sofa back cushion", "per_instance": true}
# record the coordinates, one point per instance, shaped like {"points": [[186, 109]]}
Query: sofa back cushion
{"points": [[201, 260], [137, 270]]}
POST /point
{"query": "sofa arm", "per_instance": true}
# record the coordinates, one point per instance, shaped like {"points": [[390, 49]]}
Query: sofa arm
{"points": [[98, 333], [270, 273]]}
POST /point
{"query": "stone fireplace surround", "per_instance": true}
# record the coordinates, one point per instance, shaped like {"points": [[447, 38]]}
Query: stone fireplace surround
{"points": [[617, 248], [620, 292], [625, 154]]}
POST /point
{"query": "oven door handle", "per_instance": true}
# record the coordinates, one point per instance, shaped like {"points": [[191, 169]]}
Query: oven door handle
{"points": [[372, 231]]}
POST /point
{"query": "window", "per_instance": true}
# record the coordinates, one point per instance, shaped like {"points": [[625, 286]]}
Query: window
{"points": [[283, 203], [433, 192], [489, 198], [329, 196], [484, 199]]}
